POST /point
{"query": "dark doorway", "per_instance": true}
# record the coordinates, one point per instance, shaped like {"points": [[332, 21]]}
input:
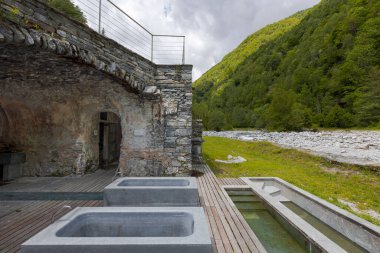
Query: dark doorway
{"points": [[109, 139], [1, 174]]}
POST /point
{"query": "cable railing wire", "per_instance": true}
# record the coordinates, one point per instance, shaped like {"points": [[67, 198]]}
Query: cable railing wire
{"points": [[136, 41], [131, 24], [108, 19], [137, 33]]}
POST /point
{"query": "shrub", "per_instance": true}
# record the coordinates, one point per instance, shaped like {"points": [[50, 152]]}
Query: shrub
{"points": [[69, 8]]}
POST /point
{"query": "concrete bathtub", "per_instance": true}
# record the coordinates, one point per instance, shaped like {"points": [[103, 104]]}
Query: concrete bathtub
{"points": [[125, 229], [152, 191]]}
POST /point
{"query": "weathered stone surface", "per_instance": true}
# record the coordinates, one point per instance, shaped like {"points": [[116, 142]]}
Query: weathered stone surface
{"points": [[29, 41], [150, 89], [7, 33], [57, 75], [18, 37]]}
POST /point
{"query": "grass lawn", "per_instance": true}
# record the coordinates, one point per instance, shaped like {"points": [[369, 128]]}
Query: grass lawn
{"points": [[328, 180]]}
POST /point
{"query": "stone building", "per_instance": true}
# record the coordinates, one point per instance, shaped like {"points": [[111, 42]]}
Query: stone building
{"points": [[71, 99]]}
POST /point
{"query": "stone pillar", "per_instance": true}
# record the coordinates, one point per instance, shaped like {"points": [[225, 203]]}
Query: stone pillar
{"points": [[175, 84], [197, 141]]}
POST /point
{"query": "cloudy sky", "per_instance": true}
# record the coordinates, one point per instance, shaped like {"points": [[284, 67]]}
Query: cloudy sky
{"points": [[212, 27]]}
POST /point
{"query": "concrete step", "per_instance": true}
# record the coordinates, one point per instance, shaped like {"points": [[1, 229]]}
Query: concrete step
{"points": [[245, 198], [258, 185], [240, 193], [250, 206], [272, 190]]}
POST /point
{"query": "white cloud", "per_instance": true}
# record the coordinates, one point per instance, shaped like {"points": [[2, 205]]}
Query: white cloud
{"points": [[212, 27]]}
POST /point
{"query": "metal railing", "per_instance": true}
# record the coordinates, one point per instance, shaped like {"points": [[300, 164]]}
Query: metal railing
{"points": [[111, 21]]}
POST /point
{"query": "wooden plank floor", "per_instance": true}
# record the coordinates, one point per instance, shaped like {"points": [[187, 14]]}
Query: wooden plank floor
{"points": [[20, 220], [231, 181], [32, 217], [229, 230], [94, 182]]}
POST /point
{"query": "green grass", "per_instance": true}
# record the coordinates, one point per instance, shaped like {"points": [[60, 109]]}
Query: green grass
{"points": [[356, 184]]}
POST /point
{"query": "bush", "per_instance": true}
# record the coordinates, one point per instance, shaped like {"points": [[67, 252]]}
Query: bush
{"points": [[67, 7], [241, 117], [217, 121], [318, 120], [338, 117], [300, 117], [200, 111]]}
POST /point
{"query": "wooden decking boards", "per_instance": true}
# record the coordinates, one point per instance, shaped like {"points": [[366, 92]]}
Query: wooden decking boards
{"points": [[229, 230], [20, 220], [231, 181], [20, 226], [94, 182]]}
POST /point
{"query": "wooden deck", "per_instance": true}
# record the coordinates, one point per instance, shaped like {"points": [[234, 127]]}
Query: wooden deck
{"points": [[20, 220], [94, 182], [229, 231], [231, 181]]}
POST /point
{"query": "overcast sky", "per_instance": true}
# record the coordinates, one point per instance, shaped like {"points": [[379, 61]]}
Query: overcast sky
{"points": [[212, 27]]}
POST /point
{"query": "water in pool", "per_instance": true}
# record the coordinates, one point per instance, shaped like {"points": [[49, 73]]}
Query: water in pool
{"points": [[332, 234], [274, 237]]}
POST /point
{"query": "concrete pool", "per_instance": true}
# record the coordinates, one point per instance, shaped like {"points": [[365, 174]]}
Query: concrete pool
{"points": [[349, 232], [270, 231], [153, 191], [278, 211], [125, 229]]}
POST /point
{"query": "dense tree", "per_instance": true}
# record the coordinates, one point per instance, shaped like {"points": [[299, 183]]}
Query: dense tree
{"points": [[69, 8], [217, 120], [320, 67]]}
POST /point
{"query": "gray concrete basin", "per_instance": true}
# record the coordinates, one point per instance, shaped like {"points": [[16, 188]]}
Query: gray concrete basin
{"points": [[286, 199], [152, 191], [171, 182], [122, 224], [125, 229]]}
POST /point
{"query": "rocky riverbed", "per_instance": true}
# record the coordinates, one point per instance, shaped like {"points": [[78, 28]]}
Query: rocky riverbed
{"points": [[356, 147]]}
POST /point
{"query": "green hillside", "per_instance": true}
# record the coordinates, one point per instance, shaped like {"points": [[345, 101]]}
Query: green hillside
{"points": [[317, 68]]}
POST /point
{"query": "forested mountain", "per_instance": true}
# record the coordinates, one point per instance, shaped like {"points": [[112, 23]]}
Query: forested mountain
{"points": [[319, 68]]}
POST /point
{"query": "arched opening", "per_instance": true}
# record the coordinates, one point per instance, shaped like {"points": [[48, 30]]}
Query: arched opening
{"points": [[109, 139]]}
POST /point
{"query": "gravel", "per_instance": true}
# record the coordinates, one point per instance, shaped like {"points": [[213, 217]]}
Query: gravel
{"points": [[355, 147]]}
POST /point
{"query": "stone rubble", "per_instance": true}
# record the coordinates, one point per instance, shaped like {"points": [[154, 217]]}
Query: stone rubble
{"points": [[232, 159], [354, 207], [356, 147]]}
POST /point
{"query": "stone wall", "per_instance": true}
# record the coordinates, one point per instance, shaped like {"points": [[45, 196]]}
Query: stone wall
{"points": [[57, 75], [177, 105]]}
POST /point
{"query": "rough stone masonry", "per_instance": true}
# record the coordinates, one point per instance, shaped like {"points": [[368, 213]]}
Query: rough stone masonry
{"points": [[57, 75]]}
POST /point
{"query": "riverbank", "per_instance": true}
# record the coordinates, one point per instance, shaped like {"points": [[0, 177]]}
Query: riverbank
{"points": [[355, 147]]}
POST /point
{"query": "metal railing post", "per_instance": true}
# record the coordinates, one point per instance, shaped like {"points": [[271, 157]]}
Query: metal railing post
{"points": [[183, 52], [151, 56], [100, 17]]}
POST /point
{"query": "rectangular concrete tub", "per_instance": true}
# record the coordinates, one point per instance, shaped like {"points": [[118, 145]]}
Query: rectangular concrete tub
{"points": [[152, 191], [274, 191], [125, 229]]}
